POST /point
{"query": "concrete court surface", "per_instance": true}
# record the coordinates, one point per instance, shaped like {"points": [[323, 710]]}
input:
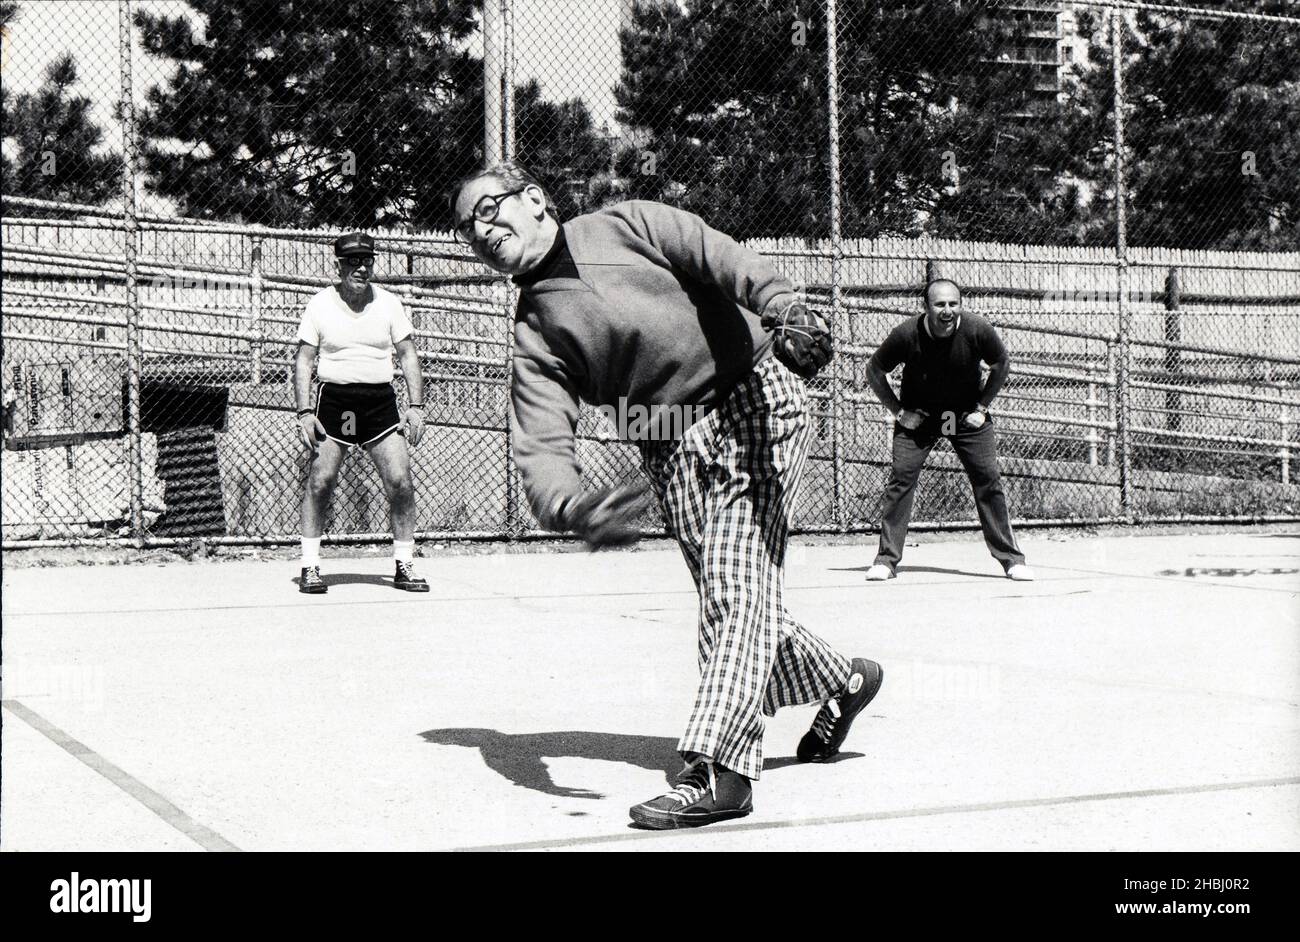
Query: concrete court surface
{"points": [[1143, 694]]}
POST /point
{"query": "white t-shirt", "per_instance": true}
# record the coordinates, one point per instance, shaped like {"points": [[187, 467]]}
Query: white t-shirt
{"points": [[354, 348]]}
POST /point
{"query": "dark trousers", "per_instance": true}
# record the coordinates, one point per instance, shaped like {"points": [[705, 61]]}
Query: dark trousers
{"points": [[977, 451]]}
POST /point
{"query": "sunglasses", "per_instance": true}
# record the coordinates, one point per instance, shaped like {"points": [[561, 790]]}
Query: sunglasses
{"points": [[485, 210]]}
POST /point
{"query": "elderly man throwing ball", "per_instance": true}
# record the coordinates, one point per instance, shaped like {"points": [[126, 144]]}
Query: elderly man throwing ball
{"points": [[643, 304]]}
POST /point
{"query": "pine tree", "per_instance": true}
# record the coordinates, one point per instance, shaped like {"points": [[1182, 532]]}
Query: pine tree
{"points": [[357, 113], [731, 95], [558, 143], [59, 152], [951, 136], [297, 113], [1212, 129]]}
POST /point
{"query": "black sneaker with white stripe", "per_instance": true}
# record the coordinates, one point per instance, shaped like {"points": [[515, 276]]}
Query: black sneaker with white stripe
{"points": [[833, 720], [310, 581]]}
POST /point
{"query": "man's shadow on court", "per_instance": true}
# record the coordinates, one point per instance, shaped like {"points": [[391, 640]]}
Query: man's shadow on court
{"points": [[904, 570], [350, 578], [518, 756]]}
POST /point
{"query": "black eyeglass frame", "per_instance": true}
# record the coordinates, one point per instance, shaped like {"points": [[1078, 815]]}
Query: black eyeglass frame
{"points": [[464, 229]]}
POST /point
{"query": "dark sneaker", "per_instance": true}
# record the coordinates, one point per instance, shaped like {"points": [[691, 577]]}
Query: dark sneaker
{"points": [[310, 582], [405, 578], [833, 720], [705, 793]]}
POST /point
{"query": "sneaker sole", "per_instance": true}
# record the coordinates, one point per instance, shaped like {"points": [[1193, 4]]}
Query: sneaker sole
{"points": [[412, 588], [666, 821], [847, 719], [321, 591]]}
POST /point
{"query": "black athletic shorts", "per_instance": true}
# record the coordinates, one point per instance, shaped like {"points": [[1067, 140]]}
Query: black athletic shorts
{"points": [[357, 413]]}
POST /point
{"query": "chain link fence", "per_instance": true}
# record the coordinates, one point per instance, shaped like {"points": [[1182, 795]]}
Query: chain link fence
{"points": [[175, 170]]}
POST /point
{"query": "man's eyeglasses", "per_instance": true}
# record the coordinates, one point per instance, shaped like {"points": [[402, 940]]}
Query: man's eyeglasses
{"points": [[485, 210]]}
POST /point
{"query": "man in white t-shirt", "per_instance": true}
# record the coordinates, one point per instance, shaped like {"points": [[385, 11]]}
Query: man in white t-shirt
{"points": [[356, 327]]}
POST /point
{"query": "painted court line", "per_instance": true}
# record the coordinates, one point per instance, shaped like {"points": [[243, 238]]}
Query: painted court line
{"points": [[631, 835], [203, 836], [495, 596]]}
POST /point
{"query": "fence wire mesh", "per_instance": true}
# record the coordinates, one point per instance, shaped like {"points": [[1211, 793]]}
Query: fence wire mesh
{"points": [[1113, 186]]}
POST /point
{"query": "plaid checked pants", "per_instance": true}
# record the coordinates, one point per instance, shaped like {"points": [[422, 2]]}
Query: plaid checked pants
{"points": [[728, 489]]}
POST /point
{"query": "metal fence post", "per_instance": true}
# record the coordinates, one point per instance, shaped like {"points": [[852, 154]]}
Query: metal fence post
{"points": [[1091, 404], [1112, 409], [99, 332], [135, 462], [498, 42], [513, 523], [1284, 425], [256, 289], [837, 383], [1173, 356], [491, 82], [508, 80], [1124, 413], [407, 291]]}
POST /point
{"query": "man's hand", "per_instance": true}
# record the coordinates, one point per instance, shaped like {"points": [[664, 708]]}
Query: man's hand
{"points": [[413, 419], [911, 419], [801, 339], [975, 419], [606, 517], [310, 430]]}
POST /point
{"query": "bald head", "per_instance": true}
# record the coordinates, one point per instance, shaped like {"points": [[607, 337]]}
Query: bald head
{"points": [[942, 307]]}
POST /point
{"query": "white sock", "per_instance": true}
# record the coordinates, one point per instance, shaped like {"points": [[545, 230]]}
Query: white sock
{"points": [[403, 551], [310, 551]]}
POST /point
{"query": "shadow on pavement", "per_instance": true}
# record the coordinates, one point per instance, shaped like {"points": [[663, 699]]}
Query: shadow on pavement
{"points": [[770, 765], [518, 756], [905, 570], [350, 579]]}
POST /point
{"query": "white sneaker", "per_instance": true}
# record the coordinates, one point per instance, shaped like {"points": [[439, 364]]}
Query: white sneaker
{"points": [[1020, 573], [879, 572]]}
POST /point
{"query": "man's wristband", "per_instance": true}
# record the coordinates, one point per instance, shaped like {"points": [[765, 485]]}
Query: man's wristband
{"points": [[415, 405], [302, 412]]}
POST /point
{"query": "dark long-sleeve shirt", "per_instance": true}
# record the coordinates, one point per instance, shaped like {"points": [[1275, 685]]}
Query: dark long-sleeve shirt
{"points": [[942, 374], [652, 307]]}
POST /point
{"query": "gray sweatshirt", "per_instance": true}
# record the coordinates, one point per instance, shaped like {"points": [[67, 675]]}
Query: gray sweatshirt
{"points": [[664, 312]]}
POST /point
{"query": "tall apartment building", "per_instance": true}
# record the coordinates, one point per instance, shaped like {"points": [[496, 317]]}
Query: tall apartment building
{"points": [[1045, 43]]}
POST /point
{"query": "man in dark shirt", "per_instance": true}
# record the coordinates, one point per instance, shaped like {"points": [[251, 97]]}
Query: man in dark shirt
{"points": [[941, 351]]}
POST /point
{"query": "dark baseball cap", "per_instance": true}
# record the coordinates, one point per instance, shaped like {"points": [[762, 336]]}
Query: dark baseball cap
{"points": [[354, 245]]}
